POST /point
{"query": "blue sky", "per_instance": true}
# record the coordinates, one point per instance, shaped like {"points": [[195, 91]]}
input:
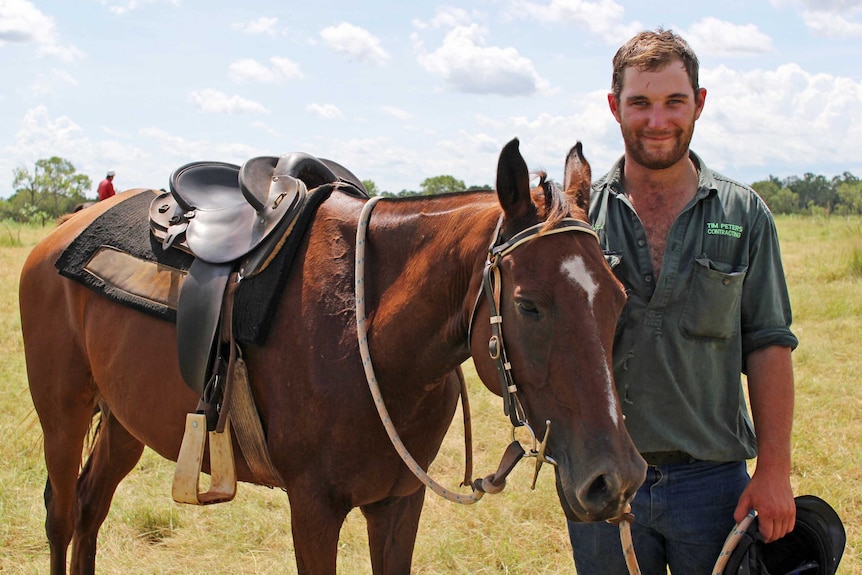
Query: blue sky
{"points": [[401, 91]]}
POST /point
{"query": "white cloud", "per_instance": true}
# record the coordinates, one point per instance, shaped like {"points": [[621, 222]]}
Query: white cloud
{"points": [[831, 24], [829, 18], [604, 18], [21, 22], [287, 68], [248, 69], [787, 115], [469, 65], [214, 102], [47, 83], [355, 42], [41, 136], [445, 17], [717, 37], [184, 149], [397, 113], [39, 133], [326, 111], [263, 25], [121, 8]]}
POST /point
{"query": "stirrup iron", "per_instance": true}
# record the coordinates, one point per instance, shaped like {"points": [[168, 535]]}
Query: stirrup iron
{"points": [[186, 486]]}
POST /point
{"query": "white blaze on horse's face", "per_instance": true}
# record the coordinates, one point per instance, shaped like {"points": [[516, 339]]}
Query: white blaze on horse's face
{"points": [[576, 269]]}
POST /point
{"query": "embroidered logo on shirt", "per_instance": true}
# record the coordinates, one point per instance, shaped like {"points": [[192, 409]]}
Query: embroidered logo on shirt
{"points": [[723, 229]]}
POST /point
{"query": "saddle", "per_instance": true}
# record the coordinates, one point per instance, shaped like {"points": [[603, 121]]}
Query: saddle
{"points": [[233, 220]]}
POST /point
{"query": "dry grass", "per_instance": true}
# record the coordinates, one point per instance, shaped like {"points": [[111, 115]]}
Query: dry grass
{"points": [[517, 532]]}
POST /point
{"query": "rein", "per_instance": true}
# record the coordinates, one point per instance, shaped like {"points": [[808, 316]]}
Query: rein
{"points": [[362, 334]]}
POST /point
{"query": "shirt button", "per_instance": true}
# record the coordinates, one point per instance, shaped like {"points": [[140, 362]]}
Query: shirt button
{"points": [[641, 242], [726, 281], [648, 278]]}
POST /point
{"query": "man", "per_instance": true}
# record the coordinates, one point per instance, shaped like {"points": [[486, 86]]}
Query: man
{"points": [[106, 186], [698, 254]]}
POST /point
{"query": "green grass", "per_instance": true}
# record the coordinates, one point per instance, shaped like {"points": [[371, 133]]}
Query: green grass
{"points": [[517, 532]]}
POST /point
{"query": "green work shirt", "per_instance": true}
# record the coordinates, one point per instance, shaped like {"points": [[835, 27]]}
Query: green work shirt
{"points": [[683, 337]]}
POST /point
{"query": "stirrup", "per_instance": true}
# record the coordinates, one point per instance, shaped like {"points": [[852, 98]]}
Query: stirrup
{"points": [[186, 486]]}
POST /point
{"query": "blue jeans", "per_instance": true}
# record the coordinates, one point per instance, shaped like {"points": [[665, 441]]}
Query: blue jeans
{"points": [[683, 514]]}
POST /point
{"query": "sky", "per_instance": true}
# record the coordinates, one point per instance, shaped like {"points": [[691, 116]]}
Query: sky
{"points": [[400, 91]]}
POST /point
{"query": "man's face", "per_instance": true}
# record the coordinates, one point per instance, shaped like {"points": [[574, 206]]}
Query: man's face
{"points": [[657, 111]]}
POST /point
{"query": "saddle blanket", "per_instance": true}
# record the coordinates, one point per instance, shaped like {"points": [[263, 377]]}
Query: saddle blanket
{"points": [[118, 256]]}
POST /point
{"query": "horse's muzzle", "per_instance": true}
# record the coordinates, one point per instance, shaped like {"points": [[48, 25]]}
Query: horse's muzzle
{"points": [[603, 495]]}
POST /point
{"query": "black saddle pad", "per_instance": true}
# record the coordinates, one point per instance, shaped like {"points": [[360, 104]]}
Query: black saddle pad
{"points": [[125, 228]]}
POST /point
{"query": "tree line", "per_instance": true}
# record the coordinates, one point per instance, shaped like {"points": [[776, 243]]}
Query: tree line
{"points": [[54, 187]]}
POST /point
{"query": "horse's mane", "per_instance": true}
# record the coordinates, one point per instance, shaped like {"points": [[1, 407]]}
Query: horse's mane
{"points": [[554, 202]]}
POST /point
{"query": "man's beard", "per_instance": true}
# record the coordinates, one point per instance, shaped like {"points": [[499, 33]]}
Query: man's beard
{"points": [[657, 160]]}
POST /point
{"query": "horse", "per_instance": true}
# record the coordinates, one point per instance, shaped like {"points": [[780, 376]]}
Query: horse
{"points": [[89, 358]]}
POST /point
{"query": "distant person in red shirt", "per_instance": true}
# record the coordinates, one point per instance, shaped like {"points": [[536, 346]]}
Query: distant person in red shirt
{"points": [[106, 187]]}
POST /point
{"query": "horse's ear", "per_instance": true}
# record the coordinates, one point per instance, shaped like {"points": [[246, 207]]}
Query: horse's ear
{"points": [[577, 179], [513, 182]]}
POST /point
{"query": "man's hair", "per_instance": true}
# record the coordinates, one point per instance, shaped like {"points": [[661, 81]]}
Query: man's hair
{"points": [[651, 51]]}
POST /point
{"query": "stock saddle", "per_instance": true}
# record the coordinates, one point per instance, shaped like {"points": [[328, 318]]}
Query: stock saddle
{"points": [[233, 220]]}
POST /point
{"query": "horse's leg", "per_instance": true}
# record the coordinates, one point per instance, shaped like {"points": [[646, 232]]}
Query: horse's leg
{"points": [[392, 527], [315, 525], [64, 431], [64, 398], [114, 455]]}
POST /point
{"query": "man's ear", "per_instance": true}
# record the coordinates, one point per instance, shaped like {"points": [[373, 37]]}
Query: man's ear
{"points": [[701, 100], [614, 105]]}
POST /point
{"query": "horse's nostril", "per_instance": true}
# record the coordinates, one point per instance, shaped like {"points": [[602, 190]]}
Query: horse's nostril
{"points": [[598, 491]]}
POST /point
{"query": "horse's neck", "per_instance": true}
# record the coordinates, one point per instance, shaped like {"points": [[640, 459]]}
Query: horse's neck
{"points": [[431, 258]]}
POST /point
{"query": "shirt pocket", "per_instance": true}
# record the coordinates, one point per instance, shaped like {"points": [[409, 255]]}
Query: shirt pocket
{"points": [[711, 310]]}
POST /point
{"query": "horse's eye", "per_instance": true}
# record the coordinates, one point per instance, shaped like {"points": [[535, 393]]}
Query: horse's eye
{"points": [[527, 308]]}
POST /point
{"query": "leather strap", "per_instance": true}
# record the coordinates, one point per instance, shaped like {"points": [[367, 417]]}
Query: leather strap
{"points": [[496, 482], [198, 311], [239, 403]]}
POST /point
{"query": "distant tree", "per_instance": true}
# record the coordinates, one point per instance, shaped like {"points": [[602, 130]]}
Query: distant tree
{"points": [[371, 187], [779, 199], [813, 190], [475, 188], [53, 188], [441, 185], [850, 197]]}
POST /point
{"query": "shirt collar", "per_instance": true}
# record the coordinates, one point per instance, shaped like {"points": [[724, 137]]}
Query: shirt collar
{"points": [[706, 185]]}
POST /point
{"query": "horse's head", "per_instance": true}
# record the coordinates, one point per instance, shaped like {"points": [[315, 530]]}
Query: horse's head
{"points": [[557, 304]]}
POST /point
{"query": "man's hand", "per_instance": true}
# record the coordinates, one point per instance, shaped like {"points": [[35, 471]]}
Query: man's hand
{"points": [[772, 497]]}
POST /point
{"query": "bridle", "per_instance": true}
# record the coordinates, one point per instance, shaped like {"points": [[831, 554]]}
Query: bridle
{"points": [[491, 288]]}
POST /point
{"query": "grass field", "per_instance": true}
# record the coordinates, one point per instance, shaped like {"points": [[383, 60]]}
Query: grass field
{"points": [[517, 532]]}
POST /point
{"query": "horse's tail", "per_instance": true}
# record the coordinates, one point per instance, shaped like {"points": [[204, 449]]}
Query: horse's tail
{"points": [[100, 412]]}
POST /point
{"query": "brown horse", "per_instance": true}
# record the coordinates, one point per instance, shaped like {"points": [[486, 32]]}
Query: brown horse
{"points": [[424, 272]]}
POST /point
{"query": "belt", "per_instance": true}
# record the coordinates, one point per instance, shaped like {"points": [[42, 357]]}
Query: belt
{"points": [[656, 458]]}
